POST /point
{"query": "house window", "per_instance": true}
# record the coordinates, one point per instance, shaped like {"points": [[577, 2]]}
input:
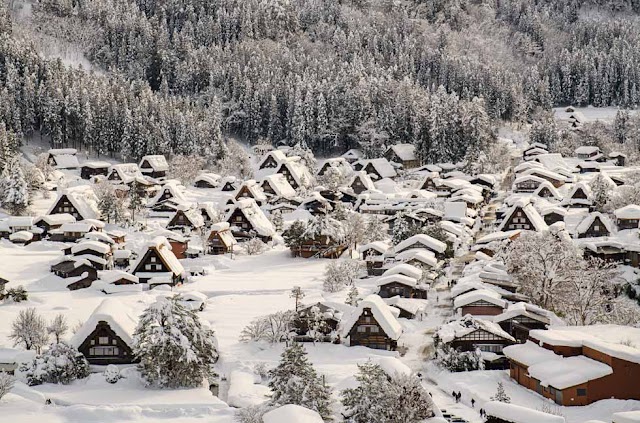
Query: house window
{"points": [[367, 319], [104, 351], [582, 392], [153, 259], [103, 340], [147, 267], [596, 228]]}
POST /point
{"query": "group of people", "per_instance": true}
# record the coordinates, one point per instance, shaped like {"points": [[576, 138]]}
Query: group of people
{"points": [[456, 395]]}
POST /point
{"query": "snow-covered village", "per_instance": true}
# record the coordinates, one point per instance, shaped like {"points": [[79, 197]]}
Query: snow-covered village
{"points": [[239, 211]]}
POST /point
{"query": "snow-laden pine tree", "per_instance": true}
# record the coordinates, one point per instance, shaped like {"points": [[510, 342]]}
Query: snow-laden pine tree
{"points": [[602, 187], [295, 381], [376, 230], [175, 349], [382, 398], [501, 395], [15, 190], [353, 296]]}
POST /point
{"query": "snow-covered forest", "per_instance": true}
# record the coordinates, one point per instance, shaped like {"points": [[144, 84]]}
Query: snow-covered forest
{"points": [[333, 74]]}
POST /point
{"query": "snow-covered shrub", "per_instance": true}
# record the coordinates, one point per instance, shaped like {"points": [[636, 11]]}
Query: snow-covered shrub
{"points": [[276, 327], [254, 247], [112, 373], [6, 383], [61, 363], [381, 398], [295, 381], [459, 361], [17, 294], [341, 273], [174, 348], [252, 414]]}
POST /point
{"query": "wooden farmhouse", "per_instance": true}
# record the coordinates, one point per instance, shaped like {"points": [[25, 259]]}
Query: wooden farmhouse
{"points": [[521, 318], [372, 324], [527, 183], [251, 189], [158, 264], [325, 315], [91, 169], [628, 217], [579, 196], [379, 168], [402, 286], [361, 182], [186, 219], [352, 155], [576, 367], [154, 166], [548, 191], [94, 249], [107, 335], [247, 220], [51, 222], [403, 154], [78, 272], [71, 232], [589, 153], [221, 240], [522, 216], [167, 198], [422, 241], [554, 178], [63, 158], [373, 255], [338, 164], [207, 180], [595, 225], [553, 215], [471, 334], [296, 173], [272, 159], [229, 183], [482, 302], [277, 189], [81, 203]]}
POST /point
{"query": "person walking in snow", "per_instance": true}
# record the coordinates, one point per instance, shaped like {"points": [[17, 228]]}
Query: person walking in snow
{"points": [[473, 403]]}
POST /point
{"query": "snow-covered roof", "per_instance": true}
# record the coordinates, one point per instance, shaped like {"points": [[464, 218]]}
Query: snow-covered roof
{"points": [[112, 275], [498, 236], [404, 269], [405, 152], [292, 413], [518, 414], [626, 417], [83, 200], [524, 309], [157, 162], [397, 278], [479, 295], [255, 216], [97, 165], [546, 184], [566, 372], [381, 313], [424, 256], [412, 305], [161, 245], [115, 314], [282, 188], [277, 155], [23, 236], [379, 246], [97, 246], [170, 235], [469, 324], [364, 178], [631, 211], [81, 226], [175, 192], [529, 354], [66, 161], [298, 170], [56, 219], [381, 166], [352, 154], [211, 178], [586, 223], [530, 212], [59, 151], [429, 243], [100, 236], [587, 149]]}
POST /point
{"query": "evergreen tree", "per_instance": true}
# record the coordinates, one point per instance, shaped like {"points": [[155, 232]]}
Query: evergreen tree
{"points": [[61, 363], [501, 395], [15, 190], [294, 381], [174, 348]]}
